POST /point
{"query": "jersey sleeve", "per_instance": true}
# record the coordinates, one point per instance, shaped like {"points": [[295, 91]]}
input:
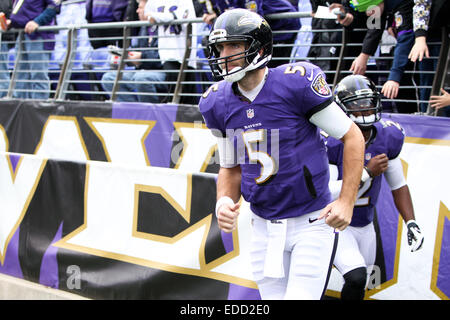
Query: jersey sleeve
{"points": [[316, 91], [396, 137], [214, 118]]}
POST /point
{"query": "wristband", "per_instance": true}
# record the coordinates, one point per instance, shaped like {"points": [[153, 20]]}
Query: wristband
{"points": [[365, 175], [223, 200], [370, 173]]}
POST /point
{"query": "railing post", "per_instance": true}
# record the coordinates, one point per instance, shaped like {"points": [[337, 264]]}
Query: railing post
{"points": [[181, 75], [66, 68], [340, 63], [12, 82], [123, 57], [441, 70]]}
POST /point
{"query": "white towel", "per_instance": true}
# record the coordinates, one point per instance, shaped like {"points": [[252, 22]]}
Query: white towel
{"points": [[273, 265]]}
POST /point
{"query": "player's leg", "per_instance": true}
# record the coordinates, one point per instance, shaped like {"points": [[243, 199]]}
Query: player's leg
{"points": [[367, 242], [270, 288], [313, 247], [351, 264]]}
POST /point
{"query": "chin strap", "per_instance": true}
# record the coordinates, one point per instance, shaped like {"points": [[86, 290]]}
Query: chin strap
{"points": [[238, 73]]}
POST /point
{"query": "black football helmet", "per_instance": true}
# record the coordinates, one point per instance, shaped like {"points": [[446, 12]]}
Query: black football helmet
{"points": [[239, 25], [358, 96]]}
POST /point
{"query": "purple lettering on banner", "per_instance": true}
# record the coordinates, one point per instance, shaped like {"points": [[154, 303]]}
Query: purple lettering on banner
{"points": [[49, 266], [159, 142], [443, 278], [14, 158], [11, 264]]}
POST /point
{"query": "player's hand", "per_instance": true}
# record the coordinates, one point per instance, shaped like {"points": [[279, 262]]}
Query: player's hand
{"points": [[438, 102], [415, 237], [31, 27], [390, 89], [359, 65], [419, 50], [338, 214], [227, 215], [378, 164]]}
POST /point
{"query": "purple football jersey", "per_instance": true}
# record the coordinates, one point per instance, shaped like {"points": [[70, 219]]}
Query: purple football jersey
{"points": [[282, 157], [388, 138]]}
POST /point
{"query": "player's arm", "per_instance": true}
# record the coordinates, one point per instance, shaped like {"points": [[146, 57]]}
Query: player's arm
{"points": [[335, 122], [228, 186], [402, 199], [228, 194], [340, 212]]}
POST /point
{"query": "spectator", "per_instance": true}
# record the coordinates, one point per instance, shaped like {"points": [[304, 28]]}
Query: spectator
{"points": [[400, 16], [319, 51], [428, 17], [211, 9], [106, 11], [366, 14], [6, 8], [439, 102], [282, 42], [172, 41], [32, 78], [141, 81]]}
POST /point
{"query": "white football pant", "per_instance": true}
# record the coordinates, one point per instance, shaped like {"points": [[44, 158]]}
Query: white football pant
{"points": [[292, 258], [357, 248]]}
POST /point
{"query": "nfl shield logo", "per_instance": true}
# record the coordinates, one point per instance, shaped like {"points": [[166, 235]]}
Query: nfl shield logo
{"points": [[368, 156], [250, 113]]}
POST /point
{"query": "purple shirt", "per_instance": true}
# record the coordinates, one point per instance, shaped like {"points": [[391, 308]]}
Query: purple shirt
{"points": [[264, 8], [289, 149], [28, 11], [105, 10], [388, 139]]}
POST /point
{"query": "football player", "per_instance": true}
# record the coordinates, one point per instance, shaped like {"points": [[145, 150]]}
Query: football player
{"points": [[267, 122], [359, 98]]}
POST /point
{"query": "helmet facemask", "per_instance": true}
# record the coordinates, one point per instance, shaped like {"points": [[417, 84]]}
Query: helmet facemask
{"points": [[251, 56], [363, 110]]}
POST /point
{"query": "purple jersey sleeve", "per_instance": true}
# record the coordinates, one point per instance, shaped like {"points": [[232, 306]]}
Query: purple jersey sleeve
{"points": [[395, 134], [307, 85], [210, 108], [317, 93]]}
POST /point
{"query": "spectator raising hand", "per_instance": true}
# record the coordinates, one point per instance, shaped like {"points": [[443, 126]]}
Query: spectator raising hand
{"points": [[419, 50], [439, 102]]}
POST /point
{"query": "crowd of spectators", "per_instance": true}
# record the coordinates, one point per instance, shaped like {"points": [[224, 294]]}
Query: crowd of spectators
{"points": [[404, 68]]}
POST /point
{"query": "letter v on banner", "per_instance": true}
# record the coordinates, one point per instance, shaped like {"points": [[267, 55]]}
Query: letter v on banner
{"points": [[17, 186]]}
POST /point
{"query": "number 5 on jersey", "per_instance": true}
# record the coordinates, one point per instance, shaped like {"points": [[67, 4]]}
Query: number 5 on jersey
{"points": [[268, 164]]}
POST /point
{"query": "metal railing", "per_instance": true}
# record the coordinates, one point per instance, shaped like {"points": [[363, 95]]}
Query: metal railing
{"points": [[72, 74]]}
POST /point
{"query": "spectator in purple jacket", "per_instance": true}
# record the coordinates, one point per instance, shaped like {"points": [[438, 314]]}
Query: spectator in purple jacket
{"points": [[32, 78], [98, 11], [282, 41]]}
